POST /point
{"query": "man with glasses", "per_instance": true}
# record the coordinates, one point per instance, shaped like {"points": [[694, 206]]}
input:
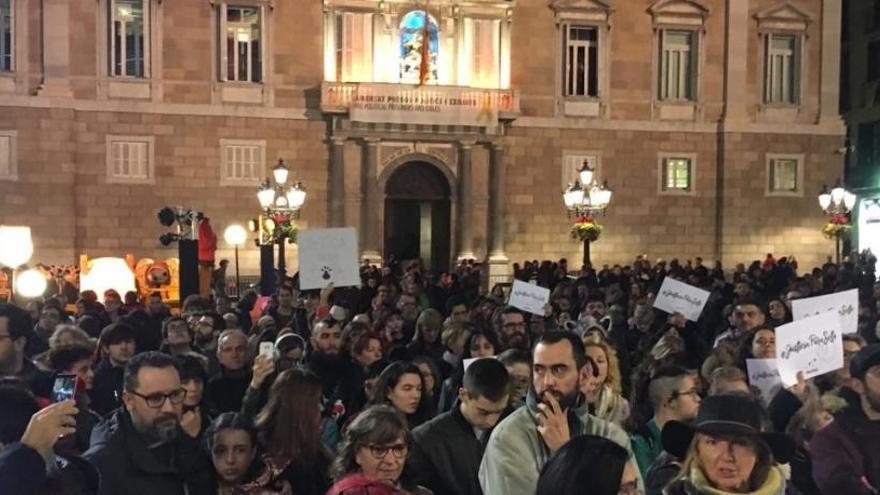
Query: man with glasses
{"points": [[674, 395], [141, 448], [846, 453], [15, 331]]}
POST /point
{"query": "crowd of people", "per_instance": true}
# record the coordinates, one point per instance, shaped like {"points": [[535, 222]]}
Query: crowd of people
{"points": [[416, 384]]}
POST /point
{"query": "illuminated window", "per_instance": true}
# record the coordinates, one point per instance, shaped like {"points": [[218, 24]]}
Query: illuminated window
{"points": [[6, 35], [412, 33], [354, 47], [677, 173], [129, 37], [483, 40], [241, 44]]}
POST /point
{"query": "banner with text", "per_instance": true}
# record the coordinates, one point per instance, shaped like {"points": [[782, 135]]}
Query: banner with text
{"points": [[404, 104], [679, 297], [844, 304], [812, 345]]}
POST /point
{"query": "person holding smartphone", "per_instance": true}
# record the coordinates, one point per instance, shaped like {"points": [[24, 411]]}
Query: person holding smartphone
{"points": [[73, 367]]}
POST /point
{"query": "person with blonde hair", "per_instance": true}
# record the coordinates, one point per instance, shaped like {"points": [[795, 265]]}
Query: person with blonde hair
{"points": [[604, 391]]}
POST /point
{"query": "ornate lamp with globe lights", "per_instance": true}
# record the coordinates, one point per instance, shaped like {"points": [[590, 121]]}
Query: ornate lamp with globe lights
{"points": [[280, 205], [837, 203], [584, 199], [16, 249]]}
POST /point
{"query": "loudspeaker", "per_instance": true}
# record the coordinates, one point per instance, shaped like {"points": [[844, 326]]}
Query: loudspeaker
{"points": [[267, 270], [188, 252]]}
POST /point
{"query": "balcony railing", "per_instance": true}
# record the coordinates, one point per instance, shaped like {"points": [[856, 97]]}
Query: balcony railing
{"points": [[336, 97]]}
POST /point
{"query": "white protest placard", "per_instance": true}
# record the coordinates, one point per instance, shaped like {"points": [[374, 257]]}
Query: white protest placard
{"points": [[679, 297], [845, 304], [528, 297], [328, 255], [764, 374], [812, 345]]}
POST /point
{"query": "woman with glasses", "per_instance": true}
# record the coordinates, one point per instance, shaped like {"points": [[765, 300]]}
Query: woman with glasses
{"points": [[372, 455], [290, 432], [589, 465]]}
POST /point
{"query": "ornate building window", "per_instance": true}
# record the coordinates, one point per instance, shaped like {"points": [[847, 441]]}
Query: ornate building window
{"points": [[412, 33]]}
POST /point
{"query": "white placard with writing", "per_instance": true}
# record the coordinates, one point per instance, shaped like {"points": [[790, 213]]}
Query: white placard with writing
{"points": [[812, 345], [679, 297], [764, 374], [528, 297], [845, 304], [328, 255]]}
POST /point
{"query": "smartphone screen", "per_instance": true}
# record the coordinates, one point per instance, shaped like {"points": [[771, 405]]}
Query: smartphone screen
{"points": [[267, 349], [64, 388]]}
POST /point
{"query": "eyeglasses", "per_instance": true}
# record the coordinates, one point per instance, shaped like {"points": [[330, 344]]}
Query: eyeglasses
{"points": [[398, 450], [157, 400], [693, 391]]}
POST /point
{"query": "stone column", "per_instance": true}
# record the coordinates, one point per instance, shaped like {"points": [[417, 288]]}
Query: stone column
{"points": [[498, 262], [369, 221], [336, 185], [465, 201], [56, 49], [736, 70], [829, 111]]}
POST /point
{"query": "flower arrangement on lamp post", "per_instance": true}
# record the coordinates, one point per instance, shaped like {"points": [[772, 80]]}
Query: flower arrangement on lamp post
{"points": [[837, 203], [584, 199]]}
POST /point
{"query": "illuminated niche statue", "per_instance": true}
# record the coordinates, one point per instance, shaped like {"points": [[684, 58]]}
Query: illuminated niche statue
{"points": [[412, 30]]}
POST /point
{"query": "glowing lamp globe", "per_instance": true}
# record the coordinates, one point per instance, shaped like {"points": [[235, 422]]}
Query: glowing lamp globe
{"points": [[30, 283], [16, 247], [107, 273], [235, 235]]}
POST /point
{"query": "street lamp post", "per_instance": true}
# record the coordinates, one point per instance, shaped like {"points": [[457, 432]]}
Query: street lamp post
{"points": [[236, 236], [281, 206], [838, 203], [584, 198]]}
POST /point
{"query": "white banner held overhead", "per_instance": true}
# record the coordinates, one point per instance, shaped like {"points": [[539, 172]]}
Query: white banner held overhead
{"points": [[764, 374], [528, 297], [679, 297], [844, 304], [813, 345], [328, 255], [431, 105]]}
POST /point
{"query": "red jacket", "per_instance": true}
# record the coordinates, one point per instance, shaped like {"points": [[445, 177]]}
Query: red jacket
{"points": [[207, 242], [358, 484]]}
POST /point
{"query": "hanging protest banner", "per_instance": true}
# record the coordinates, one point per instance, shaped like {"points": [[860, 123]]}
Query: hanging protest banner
{"points": [[845, 304], [812, 345], [328, 255], [529, 297], [679, 297], [764, 374], [429, 105]]}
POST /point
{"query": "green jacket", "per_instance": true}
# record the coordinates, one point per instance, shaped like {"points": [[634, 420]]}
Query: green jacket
{"points": [[646, 446], [516, 452]]}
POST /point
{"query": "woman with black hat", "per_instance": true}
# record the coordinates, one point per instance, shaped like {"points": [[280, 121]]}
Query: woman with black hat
{"points": [[726, 450]]}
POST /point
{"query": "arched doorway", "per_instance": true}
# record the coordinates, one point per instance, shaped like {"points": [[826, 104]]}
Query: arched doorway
{"points": [[417, 215]]}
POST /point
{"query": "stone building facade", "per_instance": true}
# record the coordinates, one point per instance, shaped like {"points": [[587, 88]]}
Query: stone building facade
{"points": [[715, 122]]}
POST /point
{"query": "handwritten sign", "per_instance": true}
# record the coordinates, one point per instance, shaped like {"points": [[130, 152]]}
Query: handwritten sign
{"points": [[528, 297], [328, 255], [845, 304], [812, 345], [679, 297], [764, 374]]}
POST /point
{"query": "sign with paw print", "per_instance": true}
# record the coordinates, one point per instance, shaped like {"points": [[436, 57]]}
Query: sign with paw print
{"points": [[328, 255]]}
